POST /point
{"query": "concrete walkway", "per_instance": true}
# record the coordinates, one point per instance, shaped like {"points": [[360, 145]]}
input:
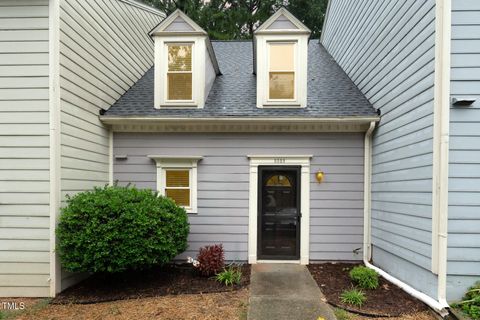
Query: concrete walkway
{"points": [[285, 292]]}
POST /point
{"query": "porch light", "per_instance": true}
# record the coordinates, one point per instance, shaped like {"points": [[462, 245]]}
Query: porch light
{"points": [[319, 176]]}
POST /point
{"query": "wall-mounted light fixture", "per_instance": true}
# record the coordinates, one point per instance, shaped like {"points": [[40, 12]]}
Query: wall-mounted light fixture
{"points": [[463, 102], [319, 176]]}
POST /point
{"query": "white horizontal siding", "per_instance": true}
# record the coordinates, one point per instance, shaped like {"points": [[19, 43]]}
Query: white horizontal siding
{"points": [[336, 205], [24, 149], [387, 49], [464, 182]]}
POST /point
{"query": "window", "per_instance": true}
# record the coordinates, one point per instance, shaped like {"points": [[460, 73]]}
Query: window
{"points": [[281, 75], [179, 72], [177, 186], [177, 179]]}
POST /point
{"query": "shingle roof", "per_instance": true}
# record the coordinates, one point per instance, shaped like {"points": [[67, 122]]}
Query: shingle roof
{"points": [[331, 93]]}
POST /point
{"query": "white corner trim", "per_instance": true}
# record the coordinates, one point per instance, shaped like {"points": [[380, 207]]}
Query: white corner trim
{"points": [[367, 194], [110, 157], [54, 128], [178, 162], [441, 122], [278, 160]]}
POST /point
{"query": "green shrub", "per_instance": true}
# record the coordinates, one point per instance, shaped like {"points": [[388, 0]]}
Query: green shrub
{"points": [[113, 229], [230, 276], [470, 305], [364, 277], [354, 297]]}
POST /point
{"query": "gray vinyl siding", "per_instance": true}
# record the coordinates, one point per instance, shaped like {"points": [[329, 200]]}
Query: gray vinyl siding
{"points": [[464, 182], [104, 50], [387, 49], [336, 205], [24, 148]]}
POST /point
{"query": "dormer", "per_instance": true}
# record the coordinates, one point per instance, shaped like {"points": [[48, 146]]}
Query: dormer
{"points": [[185, 63], [281, 54]]}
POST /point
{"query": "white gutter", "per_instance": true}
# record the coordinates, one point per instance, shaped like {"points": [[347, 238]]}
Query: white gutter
{"points": [[127, 119], [439, 306]]}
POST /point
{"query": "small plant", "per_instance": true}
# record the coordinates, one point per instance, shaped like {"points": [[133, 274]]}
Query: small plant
{"points": [[354, 297], [470, 305], [342, 314], [230, 276], [211, 260], [364, 277]]}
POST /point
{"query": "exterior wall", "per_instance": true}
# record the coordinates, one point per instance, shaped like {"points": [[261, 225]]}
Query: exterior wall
{"points": [[387, 49], [336, 205], [24, 148], [464, 170], [104, 50]]}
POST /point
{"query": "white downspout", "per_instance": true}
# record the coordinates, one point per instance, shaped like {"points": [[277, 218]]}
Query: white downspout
{"points": [[441, 123], [438, 306]]}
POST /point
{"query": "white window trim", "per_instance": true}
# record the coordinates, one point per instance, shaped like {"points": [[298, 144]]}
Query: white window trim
{"points": [[263, 66], [295, 72], [279, 160], [178, 163], [198, 72]]}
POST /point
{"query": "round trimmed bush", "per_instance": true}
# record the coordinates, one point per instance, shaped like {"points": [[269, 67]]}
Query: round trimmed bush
{"points": [[113, 229]]}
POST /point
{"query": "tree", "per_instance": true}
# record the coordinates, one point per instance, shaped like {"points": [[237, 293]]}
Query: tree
{"points": [[238, 19], [310, 12]]}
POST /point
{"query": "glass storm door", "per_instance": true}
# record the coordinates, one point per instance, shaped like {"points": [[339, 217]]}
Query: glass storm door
{"points": [[279, 213]]}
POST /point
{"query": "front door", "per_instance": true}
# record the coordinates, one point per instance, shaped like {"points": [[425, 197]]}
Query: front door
{"points": [[279, 213]]}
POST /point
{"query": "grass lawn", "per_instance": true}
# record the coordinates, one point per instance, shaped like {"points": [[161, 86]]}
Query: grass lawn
{"points": [[210, 306]]}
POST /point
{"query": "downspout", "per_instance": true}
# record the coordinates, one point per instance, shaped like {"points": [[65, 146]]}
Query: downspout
{"points": [[441, 123], [367, 242]]}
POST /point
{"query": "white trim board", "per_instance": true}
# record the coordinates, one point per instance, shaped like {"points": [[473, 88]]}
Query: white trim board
{"points": [[279, 160], [54, 128]]}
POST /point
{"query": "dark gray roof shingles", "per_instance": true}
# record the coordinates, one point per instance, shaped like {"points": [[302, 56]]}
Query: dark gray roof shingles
{"points": [[331, 93]]}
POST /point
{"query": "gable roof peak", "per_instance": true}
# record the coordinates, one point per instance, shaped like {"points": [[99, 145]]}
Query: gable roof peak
{"points": [[178, 23], [282, 21]]}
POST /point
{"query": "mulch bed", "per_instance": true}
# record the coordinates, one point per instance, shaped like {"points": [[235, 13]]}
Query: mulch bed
{"points": [[387, 300], [167, 280]]}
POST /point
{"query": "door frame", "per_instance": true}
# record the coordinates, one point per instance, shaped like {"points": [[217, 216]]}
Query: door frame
{"points": [[298, 190], [303, 161]]}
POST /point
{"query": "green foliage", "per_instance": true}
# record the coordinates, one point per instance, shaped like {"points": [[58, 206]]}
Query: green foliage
{"points": [[342, 314], [237, 19], [354, 297], [470, 305], [366, 278], [113, 229], [230, 275]]}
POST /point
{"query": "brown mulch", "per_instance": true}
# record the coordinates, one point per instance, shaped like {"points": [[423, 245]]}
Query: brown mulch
{"points": [[387, 300], [211, 306], [167, 280]]}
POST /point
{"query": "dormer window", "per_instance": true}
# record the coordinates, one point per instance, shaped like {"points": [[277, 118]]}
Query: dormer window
{"points": [[281, 49], [185, 63], [179, 72], [281, 71]]}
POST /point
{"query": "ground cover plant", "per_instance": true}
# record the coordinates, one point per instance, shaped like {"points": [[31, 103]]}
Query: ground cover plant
{"points": [[470, 305], [230, 275], [354, 297], [114, 229], [364, 277]]}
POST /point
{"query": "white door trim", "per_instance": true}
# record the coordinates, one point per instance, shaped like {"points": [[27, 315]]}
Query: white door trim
{"points": [[280, 160]]}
